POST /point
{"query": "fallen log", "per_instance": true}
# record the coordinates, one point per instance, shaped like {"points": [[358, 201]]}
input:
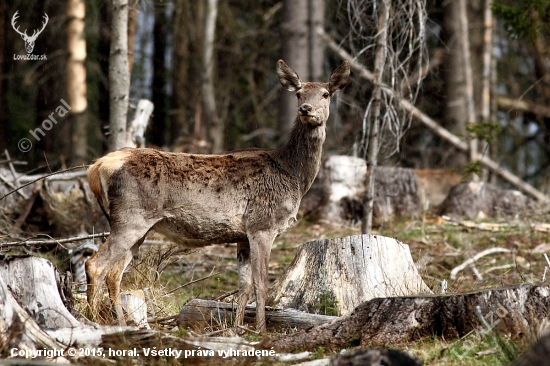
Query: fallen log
{"points": [[33, 283], [198, 314], [333, 276], [386, 321]]}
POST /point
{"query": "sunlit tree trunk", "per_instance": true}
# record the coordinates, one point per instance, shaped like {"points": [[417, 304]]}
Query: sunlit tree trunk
{"points": [[208, 91], [76, 79], [119, 75], [374, 117]]}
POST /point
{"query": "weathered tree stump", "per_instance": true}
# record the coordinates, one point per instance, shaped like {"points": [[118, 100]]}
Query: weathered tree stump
{"points": [[333, 276], [480, 200], [135, 308], [199, 314], [32, 281], [337, 193], [385, 321], [17, 328]]}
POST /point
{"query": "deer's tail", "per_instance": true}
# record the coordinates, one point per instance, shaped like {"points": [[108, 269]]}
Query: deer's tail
{"points": [[99, 175]]}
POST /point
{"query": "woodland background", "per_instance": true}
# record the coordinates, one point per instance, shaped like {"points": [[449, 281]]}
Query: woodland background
{"points": [[166, 46]]}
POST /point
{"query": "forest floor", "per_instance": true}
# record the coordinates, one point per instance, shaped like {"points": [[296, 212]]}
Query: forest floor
{"points": [[437, 246]]}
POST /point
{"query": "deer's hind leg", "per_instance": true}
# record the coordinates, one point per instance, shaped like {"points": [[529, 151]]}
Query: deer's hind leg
{"points": [[111, 258], [114, 279]]}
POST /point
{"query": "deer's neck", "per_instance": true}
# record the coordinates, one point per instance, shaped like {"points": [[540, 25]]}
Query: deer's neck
{"points": [[301, 155]]}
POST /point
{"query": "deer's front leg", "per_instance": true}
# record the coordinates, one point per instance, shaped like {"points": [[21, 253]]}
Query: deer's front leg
{"points": [[245, 280], [260, 250]]}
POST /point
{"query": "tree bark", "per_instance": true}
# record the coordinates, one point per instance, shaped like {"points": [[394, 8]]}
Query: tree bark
{"points": [[208, 91], [76, 79], [158, 125], [180, 93], [3, 111], [119, 75], [333, 276], [456, 108], [374, 115], [316, 11], [387, 321], [468, 77], [294, 30]]}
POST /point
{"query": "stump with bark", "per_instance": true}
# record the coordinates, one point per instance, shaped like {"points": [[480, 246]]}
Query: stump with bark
{"points": [[386, 321], [480, 200], [333, 276]]}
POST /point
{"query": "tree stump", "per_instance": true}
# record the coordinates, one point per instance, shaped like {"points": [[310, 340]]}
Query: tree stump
{"points": [[386, 321], [32, 281], [480, 200], [333, 276], [17, 328]]}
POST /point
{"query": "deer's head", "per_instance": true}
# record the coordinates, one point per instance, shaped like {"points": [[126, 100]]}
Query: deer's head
{"points": [[29, 40], [313, 98]]}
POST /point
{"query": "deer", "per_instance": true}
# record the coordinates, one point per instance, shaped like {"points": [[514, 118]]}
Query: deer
{"points": [[247, 197], [29, 40]]}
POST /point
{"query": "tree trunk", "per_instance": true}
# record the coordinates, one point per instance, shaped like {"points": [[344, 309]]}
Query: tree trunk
{"points": [[316, 11], [3, 109], [208, 92], [181, 60], [119, 75], [294, 31], [32, 281], [387, 321], [158, 125], [200, 314], [374, 115], [456, 108], [76, 79], [486, 81], [132, 20], [468, 77], [333, 276]]}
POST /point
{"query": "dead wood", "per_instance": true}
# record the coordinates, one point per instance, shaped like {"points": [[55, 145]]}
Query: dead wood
{"points": [[33, 283], [386, 321], [480, 200], [337, 193], [17, 328], [368, 357], [199, 314], [333, 276]]}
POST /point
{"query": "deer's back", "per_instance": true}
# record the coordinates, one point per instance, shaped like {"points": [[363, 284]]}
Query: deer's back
{"points": [[199, 199]]}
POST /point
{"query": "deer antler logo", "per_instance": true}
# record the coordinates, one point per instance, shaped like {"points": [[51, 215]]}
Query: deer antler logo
{"points": [[29, 40]]}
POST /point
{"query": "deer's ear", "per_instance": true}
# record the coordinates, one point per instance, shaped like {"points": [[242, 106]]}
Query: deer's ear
{"points": [[289, 78], [339, 78]]}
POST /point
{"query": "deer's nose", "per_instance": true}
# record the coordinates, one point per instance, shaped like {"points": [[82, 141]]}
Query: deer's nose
{"points": [[305, 109]]}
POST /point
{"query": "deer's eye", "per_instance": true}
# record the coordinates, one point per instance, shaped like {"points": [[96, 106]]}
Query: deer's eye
{"points": [[326, 95], [298, 95]]}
